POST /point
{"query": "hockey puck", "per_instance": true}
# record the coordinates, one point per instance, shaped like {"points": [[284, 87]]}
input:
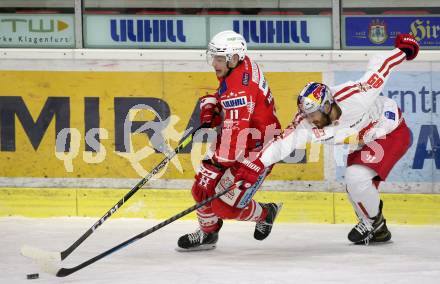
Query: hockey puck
{"points": [[33, 276]]}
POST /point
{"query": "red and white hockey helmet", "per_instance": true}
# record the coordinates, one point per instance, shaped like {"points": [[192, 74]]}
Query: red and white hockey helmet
{"points": [[313, 98], [226, 43]]}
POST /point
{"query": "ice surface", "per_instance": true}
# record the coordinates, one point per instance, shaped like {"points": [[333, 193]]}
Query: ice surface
{"points": [[306, 253]]}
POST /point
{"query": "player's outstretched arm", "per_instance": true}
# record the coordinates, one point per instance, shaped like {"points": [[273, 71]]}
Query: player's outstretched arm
{"points": [[368, 88], [380, 66], [295, 136]]}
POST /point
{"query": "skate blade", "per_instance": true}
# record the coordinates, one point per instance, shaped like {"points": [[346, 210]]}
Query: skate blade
{"points": [[199, 248], [372, 239], [374, 243], [280, 206], [386, 243]]}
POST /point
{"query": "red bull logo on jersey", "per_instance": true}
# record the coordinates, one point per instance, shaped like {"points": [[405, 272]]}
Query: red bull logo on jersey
{"points": [[234, 103]]}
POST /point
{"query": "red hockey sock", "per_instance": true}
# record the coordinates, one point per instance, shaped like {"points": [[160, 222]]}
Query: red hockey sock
{"points": [[253, 212], [207, 219]]}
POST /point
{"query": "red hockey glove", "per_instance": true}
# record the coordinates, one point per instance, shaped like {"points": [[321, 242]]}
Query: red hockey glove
{"points": [[209, 112], [206, 181], [408, 44], [248, 172]]}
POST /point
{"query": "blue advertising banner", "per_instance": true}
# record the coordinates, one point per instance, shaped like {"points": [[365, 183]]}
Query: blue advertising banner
{"points": [[135, 31], [418, 96], [364, 32], [277, 32], [132, 31]]}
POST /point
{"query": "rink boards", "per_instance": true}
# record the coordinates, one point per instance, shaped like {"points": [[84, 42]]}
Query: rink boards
{"points": [[45, 172], [299, 207]]}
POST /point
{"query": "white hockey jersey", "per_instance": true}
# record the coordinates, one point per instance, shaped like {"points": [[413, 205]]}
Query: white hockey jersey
{"points": [[365, 114]]}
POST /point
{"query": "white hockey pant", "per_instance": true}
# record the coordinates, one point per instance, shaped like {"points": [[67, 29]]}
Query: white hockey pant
{"points": [[362, 193]]}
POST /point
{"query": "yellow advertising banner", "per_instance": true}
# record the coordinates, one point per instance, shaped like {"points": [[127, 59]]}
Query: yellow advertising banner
{"points": [[47, 117]]}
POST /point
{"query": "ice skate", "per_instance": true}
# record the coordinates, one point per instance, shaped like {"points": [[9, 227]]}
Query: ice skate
{"points": [[370, 230], [199, 240], [264, 227]]}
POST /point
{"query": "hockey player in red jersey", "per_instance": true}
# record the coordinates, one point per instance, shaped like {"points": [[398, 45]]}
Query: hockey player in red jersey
{"points": [[351, 112], [244, 108]]}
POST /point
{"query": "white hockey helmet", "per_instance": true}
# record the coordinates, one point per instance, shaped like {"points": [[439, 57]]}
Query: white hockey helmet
{"points": [[313, 98], [226, 43]]}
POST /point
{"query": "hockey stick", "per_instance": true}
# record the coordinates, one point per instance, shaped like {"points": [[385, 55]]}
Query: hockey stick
{"points": [[42, 255], [62, 272]]}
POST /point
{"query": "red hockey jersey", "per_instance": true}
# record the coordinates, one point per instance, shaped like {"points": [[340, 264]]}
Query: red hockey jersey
{"points": [[248, 112]]}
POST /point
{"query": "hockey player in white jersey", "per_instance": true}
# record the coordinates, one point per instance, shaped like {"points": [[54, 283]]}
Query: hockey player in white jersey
{"points": [[352, 113]]}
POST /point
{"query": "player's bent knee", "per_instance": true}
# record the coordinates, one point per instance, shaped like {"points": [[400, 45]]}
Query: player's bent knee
{"points": [[356, 174], [223, 210]]}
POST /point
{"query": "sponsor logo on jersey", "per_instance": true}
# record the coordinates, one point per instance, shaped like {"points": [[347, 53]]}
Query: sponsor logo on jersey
{"points": [[234, 103], [245, 79], [228, 124], [251, 107], [357, 121], [390, 115]]}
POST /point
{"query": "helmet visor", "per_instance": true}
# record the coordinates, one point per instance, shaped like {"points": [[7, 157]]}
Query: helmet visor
{"points": [[213, 58]]}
